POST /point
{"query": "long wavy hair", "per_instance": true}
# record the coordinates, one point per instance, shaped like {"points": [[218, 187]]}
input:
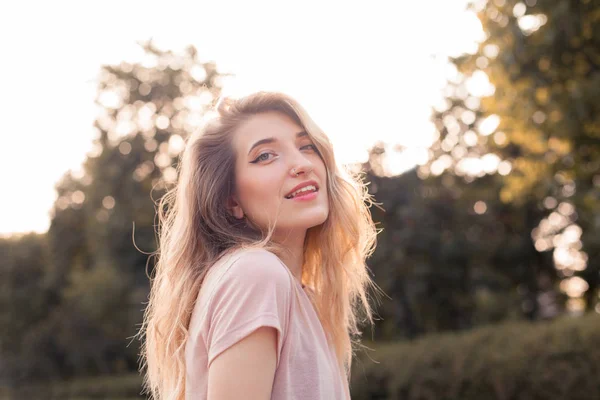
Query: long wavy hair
{"points": [[196, 228]]}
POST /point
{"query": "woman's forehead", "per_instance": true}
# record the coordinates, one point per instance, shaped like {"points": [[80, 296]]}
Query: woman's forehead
{"points": [[266, 126]]}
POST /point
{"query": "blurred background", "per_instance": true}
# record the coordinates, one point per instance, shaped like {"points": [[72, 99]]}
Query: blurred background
{"points": [[476, 123]]}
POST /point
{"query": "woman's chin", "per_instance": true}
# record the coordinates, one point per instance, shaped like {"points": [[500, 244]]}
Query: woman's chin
{"points": [[300, 226], [308, 223]]}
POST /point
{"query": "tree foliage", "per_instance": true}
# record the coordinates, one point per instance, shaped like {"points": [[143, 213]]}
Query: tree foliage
{"points": [[502, 219], [524, 107], [95, 280]]}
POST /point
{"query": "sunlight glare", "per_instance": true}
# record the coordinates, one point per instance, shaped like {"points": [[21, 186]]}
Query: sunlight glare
{"points": [[479, 84], [531, 23], [489, 125]]}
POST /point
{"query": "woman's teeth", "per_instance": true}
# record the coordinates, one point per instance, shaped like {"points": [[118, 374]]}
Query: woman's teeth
{"points": [[309, 188]]}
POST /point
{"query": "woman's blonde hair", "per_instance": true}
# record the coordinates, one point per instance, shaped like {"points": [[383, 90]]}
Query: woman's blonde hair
{"points": [[196, 228]]}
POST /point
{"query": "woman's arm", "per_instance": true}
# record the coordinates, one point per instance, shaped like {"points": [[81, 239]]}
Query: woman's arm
{"points": [[246, 369]]}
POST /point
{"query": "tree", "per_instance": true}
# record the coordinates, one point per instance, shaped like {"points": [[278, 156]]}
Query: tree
{"points": [[536, 125], [96, 279], [25, 347], [451, 256]]}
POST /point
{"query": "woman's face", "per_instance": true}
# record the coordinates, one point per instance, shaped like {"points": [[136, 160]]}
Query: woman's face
{"points": [[268, 146]]}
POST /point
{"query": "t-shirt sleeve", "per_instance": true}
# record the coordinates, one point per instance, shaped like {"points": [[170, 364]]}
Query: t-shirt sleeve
{"points": [[254, 291]]}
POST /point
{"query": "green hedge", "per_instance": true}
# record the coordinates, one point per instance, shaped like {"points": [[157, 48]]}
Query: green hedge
{"points": [[123, 387], [541, 361]]}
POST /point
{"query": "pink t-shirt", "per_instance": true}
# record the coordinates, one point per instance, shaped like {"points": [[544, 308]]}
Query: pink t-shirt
{"points": [[243, 291]]}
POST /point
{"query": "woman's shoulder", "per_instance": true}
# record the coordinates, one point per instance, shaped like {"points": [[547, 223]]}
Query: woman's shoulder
{"points": [[240, 284], [249, 265]]}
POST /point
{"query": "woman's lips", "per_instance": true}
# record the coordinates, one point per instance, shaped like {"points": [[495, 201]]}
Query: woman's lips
{"points": [[305, 196]]}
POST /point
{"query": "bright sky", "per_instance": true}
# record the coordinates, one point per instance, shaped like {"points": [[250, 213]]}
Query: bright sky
{"points": [[365, 71]]}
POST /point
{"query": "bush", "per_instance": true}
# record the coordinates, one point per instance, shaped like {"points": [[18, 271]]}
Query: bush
{"points": [[544, 360], [541, 361], [124, 387]]}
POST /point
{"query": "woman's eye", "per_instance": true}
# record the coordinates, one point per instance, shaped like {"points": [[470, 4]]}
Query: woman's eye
{"points": [[311, 145], [265, 156], [262, 157]]}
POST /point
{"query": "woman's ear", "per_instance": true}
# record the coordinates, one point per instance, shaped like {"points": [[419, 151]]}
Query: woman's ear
{"points": [[234, 207]]}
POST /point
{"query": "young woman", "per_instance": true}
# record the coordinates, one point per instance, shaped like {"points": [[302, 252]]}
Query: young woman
{"points": [[261, 267]]}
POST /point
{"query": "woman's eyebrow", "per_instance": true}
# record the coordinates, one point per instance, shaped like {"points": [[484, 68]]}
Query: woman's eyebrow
{"points": [[273, 140]]}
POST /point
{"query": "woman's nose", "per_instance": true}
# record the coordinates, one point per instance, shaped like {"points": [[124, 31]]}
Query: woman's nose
{"points": [[301, 165]]}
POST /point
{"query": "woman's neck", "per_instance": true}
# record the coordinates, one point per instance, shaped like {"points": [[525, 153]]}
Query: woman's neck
{"points": [[294, 257]]}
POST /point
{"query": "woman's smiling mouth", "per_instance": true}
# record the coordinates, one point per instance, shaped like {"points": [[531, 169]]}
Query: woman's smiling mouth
{"points": [[303, 188]]}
